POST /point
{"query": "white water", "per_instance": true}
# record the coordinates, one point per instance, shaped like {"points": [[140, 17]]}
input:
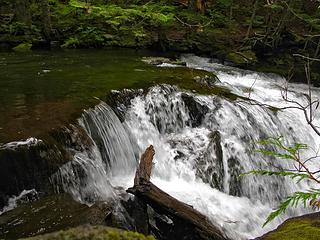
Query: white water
{"points": [[161, 118], [22, 198], [13, 145]]}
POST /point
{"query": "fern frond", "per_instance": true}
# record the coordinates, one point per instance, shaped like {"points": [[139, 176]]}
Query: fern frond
{"points": [[312, 196]]}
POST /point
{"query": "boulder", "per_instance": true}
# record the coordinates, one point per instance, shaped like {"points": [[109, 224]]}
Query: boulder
{"points": [[161, 60], [30, 163], [50, 213]]}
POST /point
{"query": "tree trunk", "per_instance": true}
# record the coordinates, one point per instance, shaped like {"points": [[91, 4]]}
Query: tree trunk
{"points": [[46, 19], [22, 11], [255, 7]]}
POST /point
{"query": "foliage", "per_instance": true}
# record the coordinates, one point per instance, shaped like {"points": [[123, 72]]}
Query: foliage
{"points": [[22, 47], [299, 172], [311, 196]]}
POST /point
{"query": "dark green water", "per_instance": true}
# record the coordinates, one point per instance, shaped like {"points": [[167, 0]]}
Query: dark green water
{"points": [[40, 90]]}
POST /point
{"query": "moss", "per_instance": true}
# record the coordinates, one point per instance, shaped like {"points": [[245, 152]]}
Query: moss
{"points": [[242, 58], [23, 47], [298, 229], [92, 233], [186, 78]]}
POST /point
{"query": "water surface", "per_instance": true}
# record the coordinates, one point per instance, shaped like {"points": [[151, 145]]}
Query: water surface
{"points": [[41, 90]]}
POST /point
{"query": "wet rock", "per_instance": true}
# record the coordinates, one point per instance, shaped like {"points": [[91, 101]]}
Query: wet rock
{"points": [[55, 44], [210, 165], [162, 60], [137, 210], [74, 137], [197, 111], [30, 164], [235, 170], [48, 214], [121, 100], [243, 58], [207, 80]]}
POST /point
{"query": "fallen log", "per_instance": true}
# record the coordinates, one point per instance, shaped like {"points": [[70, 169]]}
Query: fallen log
{"points": [[145, 166], [180, 213]]}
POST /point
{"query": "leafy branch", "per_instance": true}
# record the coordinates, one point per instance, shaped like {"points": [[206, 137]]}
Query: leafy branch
{"points": [[312, 196], [301, 171]]}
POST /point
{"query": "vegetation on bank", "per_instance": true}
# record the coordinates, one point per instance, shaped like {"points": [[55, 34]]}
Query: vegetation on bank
{"points": [[93, 232], [244, 32]]}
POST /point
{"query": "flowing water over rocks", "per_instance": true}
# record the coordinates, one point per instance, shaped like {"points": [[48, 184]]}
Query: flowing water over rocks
{"points": [[202, 144]]}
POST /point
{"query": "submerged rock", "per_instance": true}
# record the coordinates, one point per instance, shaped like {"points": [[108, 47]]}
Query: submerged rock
{"points": [[162, 60]]}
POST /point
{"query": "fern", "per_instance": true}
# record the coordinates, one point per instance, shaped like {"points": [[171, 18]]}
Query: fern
{"points": [[312, 196], [290, 153]]}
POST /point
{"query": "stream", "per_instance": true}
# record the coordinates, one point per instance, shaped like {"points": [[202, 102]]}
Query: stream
{"points": [[203, 142]]}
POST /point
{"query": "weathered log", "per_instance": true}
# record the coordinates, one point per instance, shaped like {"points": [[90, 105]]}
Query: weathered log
{"points": [[145, 166], [162, 203]]}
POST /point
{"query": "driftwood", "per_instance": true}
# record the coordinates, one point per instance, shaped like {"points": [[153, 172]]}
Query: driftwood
{"points": [[145, 166], [163, 203]]}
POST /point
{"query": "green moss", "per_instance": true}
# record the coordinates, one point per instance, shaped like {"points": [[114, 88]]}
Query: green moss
{"points": [[186, 78], [93, 233], [23, 47], [298, 229], [242, 58]]}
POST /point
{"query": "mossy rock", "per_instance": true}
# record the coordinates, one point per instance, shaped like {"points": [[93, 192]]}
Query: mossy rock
{"points": [[242, 58], [50, 214], [160, 60], [301, 228], [23, 47], [88, 232]]}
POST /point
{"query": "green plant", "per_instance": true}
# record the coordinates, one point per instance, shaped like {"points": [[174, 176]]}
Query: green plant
{"points": [[301, 171]]}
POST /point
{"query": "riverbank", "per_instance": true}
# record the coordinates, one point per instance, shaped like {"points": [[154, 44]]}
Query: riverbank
{"points": [[229, 32]]}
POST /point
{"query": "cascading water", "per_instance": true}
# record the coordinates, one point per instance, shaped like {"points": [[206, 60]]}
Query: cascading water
{"points": [[202, 144], [88, 176]]}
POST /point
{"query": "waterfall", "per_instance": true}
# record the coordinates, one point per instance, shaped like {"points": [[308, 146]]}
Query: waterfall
{"points": [[202, 144], [88, 177]]}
